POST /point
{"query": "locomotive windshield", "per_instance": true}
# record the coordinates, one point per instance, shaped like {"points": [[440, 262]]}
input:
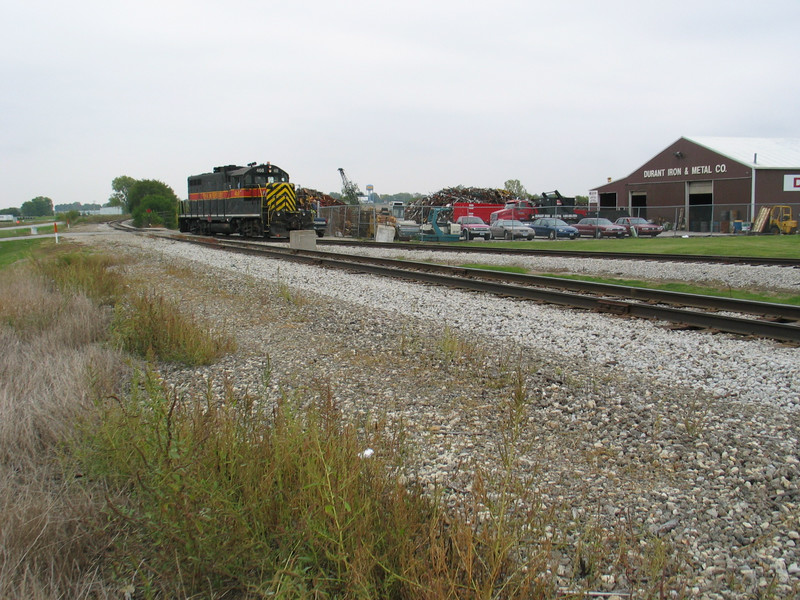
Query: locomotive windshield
{"points": [[264, 174]]}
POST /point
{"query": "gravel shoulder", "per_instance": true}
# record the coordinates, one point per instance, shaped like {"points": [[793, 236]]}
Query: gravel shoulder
{"points": [[684, 438]]}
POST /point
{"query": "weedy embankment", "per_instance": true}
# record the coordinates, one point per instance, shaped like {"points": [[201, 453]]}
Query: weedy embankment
{"points": [[114, 484]]}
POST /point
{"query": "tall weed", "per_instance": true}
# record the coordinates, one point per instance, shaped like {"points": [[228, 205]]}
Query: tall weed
{"points": [[278, 499], [148, 325], [84, 272]]}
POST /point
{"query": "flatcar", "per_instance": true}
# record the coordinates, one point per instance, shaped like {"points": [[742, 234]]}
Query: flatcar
{"points": [[252, 201]]}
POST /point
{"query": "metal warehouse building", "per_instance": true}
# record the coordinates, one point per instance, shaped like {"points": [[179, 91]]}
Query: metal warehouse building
{"points": [[708, 183]]}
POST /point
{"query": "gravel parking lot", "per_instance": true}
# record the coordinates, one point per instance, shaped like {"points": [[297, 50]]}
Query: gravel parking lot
{"points": [[686, 437]]}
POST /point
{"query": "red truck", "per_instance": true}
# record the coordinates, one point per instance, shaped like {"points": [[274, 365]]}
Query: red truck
{"points": [[551, 204], [521, 210], [475, 209]]}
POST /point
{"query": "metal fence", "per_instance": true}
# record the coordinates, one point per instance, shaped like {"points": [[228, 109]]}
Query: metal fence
{"points": [[703, 218], [360, 221], [357, 220]]}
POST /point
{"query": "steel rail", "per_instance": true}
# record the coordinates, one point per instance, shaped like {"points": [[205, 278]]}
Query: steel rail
{"points": [[478, 248], [641, 306], [788, 312]]}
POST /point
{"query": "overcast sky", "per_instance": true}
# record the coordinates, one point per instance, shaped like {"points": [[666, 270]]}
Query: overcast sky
{"points": [[410, 96]]}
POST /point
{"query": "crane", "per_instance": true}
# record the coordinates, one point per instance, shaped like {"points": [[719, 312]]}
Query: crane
{"points": [[350, 190]]}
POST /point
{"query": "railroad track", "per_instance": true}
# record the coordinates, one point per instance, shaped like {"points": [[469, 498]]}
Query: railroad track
{"points": [[480, 248], [758, 319]]}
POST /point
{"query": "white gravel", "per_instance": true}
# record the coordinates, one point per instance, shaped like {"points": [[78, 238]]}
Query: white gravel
{"points": [[724, 366], [782, 279]]}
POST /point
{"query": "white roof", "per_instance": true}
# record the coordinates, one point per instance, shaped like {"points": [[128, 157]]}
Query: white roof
{"points": [[763, 153]]}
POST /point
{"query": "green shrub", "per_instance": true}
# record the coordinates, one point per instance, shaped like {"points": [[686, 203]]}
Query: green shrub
{"points": [[154, 211], [150, 326]]}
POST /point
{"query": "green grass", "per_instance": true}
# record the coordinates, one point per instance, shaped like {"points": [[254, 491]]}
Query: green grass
{"points": [[773, 246], [11, 252], [26, 230], [684, 288]]}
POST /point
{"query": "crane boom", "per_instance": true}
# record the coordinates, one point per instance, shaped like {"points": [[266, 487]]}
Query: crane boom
{"points": [[350, 190]]}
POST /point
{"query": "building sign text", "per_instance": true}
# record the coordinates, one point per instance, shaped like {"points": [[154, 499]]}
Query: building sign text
{"points": [[685, 171]]}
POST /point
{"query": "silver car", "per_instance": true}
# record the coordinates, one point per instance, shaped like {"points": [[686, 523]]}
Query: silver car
{"points": [[511, 229]]}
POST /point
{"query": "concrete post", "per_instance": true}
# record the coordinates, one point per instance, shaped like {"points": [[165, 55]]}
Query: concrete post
{"points": [[303, 239]]}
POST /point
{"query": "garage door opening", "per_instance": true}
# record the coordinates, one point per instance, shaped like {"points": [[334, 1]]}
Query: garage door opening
{"points": [[639, 205], [608, 201], [701, 206]]}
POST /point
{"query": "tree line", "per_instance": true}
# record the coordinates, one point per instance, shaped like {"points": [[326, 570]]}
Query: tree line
{"points": [[41, 206], [148, 201]]}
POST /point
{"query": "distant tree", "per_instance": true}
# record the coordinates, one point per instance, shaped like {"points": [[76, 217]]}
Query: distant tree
{"points": [[143, 188], [582, 200], [10, 211], [515, 187], [41, 206], [62, 208], [121, 186], [77, 206], [156, 210]]}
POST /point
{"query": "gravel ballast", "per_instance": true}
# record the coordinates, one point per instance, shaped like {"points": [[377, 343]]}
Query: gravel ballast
{"points": [[686, 437]]}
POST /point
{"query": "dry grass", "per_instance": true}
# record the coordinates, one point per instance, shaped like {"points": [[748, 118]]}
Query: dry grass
{"points": [[52, 366]]}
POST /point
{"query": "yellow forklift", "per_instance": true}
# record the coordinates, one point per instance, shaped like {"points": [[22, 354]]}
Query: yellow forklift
{"points": [[781, 221], [776, 219]]}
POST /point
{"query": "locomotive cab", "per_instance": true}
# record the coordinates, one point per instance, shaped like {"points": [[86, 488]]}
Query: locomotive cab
{"points": [[254, 176]]}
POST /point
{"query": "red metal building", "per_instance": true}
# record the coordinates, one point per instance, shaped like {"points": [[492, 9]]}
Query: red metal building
{"points": [[708, 183]]}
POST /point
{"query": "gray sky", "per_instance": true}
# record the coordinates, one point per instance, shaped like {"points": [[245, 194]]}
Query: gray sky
{"points": [[407, 96]]}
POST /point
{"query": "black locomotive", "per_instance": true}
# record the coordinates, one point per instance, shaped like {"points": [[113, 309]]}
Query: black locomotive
{"points": [[253, 201]]}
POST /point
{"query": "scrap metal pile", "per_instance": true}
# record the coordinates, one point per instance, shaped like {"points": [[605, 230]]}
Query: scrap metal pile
{"points": [[448, 196], [307, 197]]}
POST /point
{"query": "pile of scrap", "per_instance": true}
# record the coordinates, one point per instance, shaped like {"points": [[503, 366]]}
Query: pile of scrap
{"points": [[449, 196], [308, 197]]}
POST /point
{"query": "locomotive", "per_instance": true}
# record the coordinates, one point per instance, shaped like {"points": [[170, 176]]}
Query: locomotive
{"points": [[253, 201]]}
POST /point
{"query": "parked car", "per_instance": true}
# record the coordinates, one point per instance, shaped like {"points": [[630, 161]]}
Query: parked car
{"points": [[472, 227], [552, 228], [640, 225], [598, 228], [320, 225], [510, 229]]}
